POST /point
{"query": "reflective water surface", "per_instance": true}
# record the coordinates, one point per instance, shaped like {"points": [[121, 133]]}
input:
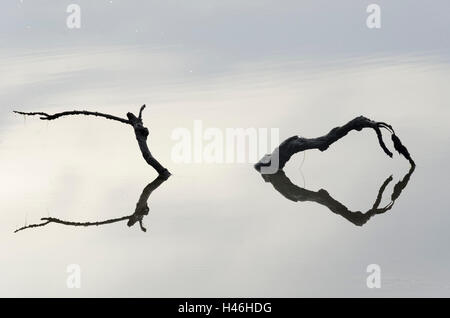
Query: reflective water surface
{"points": [[80, 191]]}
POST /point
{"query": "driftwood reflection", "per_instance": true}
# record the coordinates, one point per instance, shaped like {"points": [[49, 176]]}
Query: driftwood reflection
{"points": [[294, 193], [140, 212]]}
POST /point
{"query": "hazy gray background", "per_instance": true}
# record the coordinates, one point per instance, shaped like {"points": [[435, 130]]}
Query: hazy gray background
{"points": [[219, 230]]}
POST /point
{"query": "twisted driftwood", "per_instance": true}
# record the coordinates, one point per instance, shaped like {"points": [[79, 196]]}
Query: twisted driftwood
{"points": [[271, 163], [294, 193], [140, 131], [141, 210]]}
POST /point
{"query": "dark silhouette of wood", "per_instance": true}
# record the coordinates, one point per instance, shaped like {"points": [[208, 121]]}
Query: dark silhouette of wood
{"points": [[140, 131], [295, 144], [140, 212], [294, 193]]}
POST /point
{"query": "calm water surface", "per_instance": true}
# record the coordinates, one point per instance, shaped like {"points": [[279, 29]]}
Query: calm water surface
{"points": [[221, 230]]}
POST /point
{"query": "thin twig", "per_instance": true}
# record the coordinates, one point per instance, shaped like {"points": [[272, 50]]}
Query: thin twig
{"points": [[45, 116]]}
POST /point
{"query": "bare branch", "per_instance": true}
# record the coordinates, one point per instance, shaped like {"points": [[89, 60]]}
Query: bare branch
{"points": [[59, 221], [142, 133], [140, 111], [32, 226], [139, 129], [45, 116]]}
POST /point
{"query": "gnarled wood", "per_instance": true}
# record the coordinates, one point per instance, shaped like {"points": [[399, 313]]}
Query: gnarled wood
{"points": [[281, 155]]}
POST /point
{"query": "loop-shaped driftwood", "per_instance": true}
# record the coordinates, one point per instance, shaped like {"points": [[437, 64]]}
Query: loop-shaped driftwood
{"points": [[281, 155]]}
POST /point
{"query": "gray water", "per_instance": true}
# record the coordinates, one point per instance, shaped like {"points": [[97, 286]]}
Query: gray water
{"points": [[220, 230]]}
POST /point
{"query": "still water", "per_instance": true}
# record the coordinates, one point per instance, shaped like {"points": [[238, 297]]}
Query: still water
{"points": [[218, 230]]}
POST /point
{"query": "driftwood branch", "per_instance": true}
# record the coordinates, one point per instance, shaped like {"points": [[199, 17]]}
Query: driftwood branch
{"points": [[141, 132], [281, 155], [45, 116], [294, 193], [140, 212]]}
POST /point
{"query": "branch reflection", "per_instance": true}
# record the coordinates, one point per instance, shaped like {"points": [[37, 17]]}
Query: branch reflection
{"points": [[140, 212], [294, 193]]}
